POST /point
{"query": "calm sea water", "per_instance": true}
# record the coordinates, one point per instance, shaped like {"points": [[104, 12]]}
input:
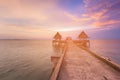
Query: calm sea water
{"points": [[30, 59], [25, 59], [107, 48]]}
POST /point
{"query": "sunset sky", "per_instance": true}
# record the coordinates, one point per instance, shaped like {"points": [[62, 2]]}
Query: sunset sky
{"points": [[41, 19]]}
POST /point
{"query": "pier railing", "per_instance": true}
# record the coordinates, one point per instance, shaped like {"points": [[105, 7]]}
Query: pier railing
{"points": [[104, 59], [58, 67], [56, 71]]}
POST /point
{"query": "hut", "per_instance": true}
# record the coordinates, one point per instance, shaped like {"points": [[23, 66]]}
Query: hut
{"points": [[83, 36], [57, 36], [57, 49], [57, 40], [84, 39]]}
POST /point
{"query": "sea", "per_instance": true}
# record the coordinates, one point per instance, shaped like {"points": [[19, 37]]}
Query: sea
{"points": [[31, 59], [107, 48]]}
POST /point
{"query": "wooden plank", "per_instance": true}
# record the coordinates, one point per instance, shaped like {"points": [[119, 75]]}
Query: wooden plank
{"points": [[58, 66], [106, 60], [80, 65]]}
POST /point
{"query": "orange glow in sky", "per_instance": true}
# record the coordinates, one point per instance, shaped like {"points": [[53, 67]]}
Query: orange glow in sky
{"points": [[41, 19]]}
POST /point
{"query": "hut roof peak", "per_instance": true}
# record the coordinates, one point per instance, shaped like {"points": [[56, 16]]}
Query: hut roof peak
{"points": [[83, 35], [57, 36]]}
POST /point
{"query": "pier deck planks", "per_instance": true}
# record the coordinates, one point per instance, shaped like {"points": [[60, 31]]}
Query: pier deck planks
{"points": [[80, 65]]}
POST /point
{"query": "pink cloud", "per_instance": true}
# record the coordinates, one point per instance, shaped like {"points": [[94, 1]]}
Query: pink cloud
{"points": [[101, 13], [46, 16], [105, 23]]}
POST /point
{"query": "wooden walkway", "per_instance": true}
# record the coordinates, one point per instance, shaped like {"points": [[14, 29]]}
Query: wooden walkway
{"points": [[81, 65]]}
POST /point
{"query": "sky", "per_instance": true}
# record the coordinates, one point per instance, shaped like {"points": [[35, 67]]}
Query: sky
{"points": [[41, 19]]}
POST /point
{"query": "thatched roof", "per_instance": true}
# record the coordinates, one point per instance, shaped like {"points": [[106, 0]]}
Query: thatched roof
{"points": [[57, 36], [83, 35]]}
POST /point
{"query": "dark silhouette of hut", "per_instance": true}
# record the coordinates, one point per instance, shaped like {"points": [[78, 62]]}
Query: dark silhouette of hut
{"points": [[84, 39], [57, 36], [83, 36]]}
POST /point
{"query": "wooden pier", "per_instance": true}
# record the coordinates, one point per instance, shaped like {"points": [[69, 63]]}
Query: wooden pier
{"points": [[76, 63]]}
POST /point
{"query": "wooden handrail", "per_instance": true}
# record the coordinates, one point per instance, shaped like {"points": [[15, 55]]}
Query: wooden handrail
{"points": [[107, 61], [58, 66]]}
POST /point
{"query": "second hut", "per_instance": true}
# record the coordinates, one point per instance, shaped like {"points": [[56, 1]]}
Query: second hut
{"points": [[84, 39]]}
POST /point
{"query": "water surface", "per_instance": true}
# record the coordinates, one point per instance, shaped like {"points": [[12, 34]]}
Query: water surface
{"points": [[30, 59], [25, 59], [107, 48]]}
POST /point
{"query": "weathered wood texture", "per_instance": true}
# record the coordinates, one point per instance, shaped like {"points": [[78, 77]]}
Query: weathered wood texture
{"points": [[56, 71], [80, 65]]}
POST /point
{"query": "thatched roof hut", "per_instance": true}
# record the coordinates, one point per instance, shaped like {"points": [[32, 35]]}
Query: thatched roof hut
{"points": [[57, 36], [83, 35]]}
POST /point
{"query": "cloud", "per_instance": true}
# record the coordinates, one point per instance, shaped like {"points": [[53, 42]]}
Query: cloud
{"points": [[38, 17], [33, 12], [106, 23], [103, 13], [78, 21]]}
